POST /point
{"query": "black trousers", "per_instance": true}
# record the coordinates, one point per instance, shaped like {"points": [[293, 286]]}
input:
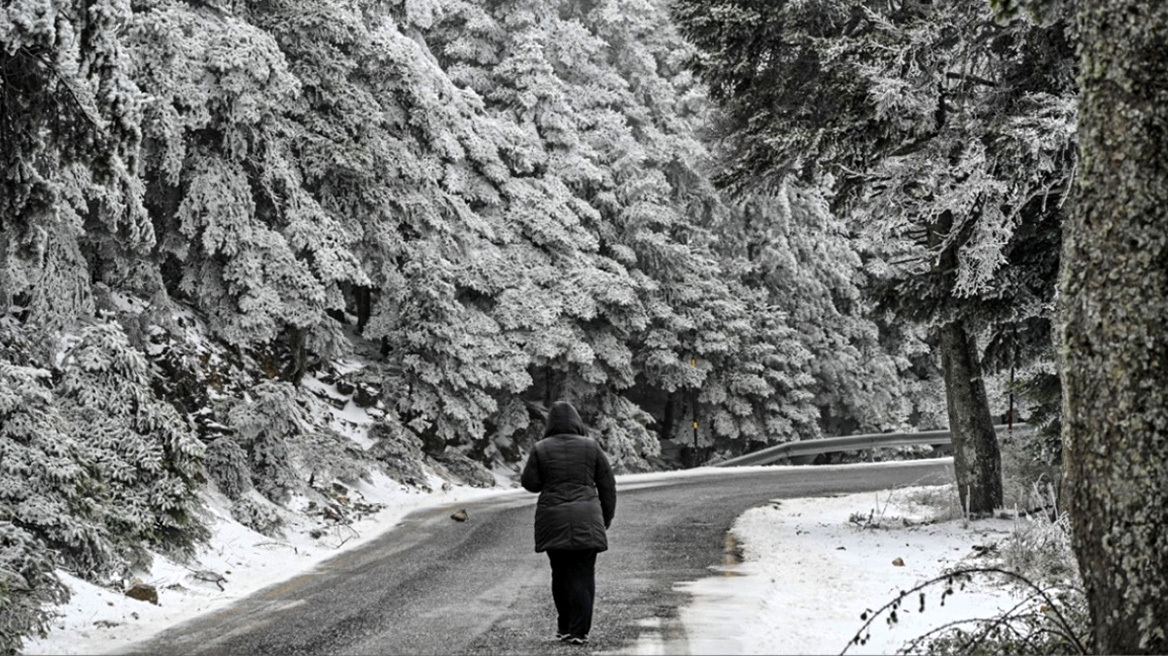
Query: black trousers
{"points": [[573, 588]]}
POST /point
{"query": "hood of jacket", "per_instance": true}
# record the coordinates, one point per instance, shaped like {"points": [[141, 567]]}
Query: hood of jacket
{"points": [[563, 420]]}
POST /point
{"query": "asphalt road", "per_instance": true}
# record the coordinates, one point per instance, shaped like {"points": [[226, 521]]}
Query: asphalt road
{"points": [[436, 586]]}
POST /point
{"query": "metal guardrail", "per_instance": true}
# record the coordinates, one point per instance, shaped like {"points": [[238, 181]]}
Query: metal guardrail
{"points": [[789, 450]]}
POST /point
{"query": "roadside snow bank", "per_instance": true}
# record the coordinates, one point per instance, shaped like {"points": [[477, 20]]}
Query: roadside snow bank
{"points": [[811, 567], [237, 562]]}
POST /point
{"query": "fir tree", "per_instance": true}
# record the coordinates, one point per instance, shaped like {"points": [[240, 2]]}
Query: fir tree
{"points": [[241, 236], [934, 127], [267, 423], [69, 120], [142, 455]]}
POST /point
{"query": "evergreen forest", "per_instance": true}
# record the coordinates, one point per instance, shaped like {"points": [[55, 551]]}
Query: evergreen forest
{"points": [[227, 224]]}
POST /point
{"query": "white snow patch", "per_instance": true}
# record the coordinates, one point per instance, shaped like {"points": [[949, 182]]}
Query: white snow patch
{"points": [[98, 620], [343, 367], [809, 573], [66, 343], [126, 303], [506, 475], [352, 420], [315, 384]]}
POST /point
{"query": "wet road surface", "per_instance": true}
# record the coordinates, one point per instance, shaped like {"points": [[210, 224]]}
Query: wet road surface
{"points": [[436, 586]]}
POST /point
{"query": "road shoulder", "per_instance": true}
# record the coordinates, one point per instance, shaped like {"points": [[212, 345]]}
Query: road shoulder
{"points": [[812, 567]]}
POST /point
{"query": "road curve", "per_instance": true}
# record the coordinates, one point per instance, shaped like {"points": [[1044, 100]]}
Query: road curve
{"points": [[435, 586]]}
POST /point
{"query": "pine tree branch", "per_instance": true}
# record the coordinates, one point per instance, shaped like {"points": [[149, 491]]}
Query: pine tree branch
{"points": [[969, 77], [63, 83]]}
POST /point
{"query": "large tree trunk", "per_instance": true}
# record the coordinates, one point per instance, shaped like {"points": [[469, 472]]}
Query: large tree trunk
{"points": [[364, 297], [1114, 325], [977, 461]]}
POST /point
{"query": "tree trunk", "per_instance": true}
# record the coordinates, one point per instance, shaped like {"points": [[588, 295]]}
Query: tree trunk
{"points": [[670, 418], [977, 462], [364, 298], [297, 347], [1113, 323]]}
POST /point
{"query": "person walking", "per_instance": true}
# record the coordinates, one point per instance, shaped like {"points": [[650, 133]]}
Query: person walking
{"points": [[577, 500]]}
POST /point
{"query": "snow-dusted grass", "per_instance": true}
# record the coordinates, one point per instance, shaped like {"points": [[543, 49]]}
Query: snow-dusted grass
{"points": [[813, 566], [98, 620]]}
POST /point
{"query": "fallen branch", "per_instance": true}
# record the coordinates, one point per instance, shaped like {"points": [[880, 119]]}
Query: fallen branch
{"points": [[277, 543], [353, 534]]}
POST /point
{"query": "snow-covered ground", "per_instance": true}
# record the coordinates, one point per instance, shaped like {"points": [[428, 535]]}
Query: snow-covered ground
{"points": [[812, 567], [98, 620]]}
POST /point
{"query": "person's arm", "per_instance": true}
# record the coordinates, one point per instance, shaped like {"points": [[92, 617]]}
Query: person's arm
{"points": [[532, 480], [605, 486]]}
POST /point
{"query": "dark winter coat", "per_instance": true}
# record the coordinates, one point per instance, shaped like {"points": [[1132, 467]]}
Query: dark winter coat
{"points": [[577, 492]]}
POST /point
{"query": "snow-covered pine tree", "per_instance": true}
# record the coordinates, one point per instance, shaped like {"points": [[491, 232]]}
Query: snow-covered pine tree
{"points": [[28, 586], [548, 281], [44, 509], [143, 457], [940, 130], [69, 124], [267, 422], [241, 238], [790, 244], [610, 116], [417, 171], [228, 466], [46, 486]]}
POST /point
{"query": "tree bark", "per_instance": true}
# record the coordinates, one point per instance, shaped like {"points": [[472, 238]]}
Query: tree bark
{"points": [[297, 347], [1113, 325], [977, 461], [364, 298], [670, 418]]}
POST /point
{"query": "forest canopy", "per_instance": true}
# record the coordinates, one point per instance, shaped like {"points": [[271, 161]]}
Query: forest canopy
{"points": [[454, 212]]}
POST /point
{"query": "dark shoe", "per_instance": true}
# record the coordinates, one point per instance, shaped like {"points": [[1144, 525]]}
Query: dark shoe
{"points": [[577, 640]]}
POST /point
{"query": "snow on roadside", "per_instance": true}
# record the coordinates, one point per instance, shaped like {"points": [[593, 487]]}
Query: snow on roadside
{"points": [[796, 592], [99, 620], [811, 569]]}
